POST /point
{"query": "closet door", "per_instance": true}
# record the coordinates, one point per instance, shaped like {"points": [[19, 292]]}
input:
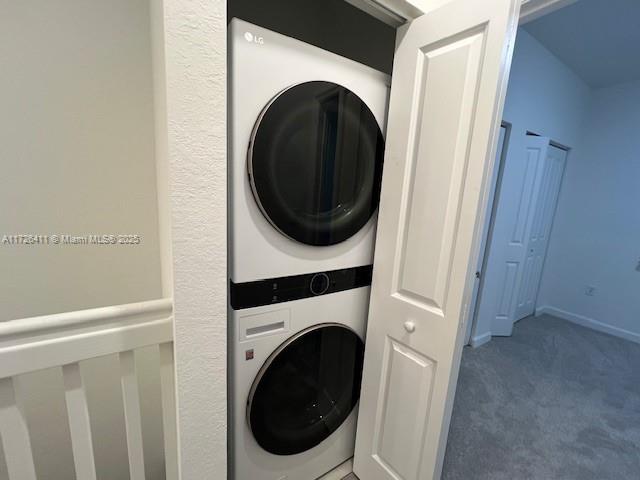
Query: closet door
{"points": [[449, 82], [508, 259], [545, 202]]}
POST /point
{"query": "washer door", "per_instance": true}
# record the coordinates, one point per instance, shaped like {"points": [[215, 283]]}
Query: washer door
{"points": [[306, 389], [315, 163]]}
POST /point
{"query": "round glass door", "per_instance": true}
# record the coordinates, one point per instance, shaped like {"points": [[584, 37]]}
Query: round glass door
{"points": [[306, 389], [315, 163]]}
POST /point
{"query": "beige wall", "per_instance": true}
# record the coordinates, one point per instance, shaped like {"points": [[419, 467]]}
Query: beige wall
{"points": [[76, 146], [77, 156]]}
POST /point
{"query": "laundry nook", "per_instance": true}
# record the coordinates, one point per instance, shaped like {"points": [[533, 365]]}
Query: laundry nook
{"points": [[319, 240]]}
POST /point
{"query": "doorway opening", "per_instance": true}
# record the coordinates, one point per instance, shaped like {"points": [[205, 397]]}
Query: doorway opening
{"points": [[546, 386], [528, 187]]}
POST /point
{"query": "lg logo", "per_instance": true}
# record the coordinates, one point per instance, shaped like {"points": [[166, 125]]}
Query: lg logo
{"points": [[249, 37]]}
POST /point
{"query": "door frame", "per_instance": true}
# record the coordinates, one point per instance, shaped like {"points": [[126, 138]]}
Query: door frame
{"points": [[397, 12], [489, 219], [533, 9], [190, 97]]}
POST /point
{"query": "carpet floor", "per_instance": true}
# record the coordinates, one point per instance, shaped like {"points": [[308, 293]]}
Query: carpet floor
{"points": [[555, 401]]}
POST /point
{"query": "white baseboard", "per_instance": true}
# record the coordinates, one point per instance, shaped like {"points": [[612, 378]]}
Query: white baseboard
{"points": [[588, 322], [479, 340]]}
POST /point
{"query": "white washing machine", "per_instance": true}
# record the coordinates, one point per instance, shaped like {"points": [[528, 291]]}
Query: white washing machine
{"points": [[305, 161], [295, 371]]}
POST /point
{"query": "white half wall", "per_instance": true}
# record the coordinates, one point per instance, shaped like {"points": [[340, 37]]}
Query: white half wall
{"points": [[77, 152], [547, 98], [596, 236]]}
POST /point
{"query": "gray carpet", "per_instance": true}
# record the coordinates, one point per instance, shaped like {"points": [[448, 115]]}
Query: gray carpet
{"points": [[555, 401]]}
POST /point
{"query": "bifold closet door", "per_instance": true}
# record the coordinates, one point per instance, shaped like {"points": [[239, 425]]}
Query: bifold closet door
{"points": [[545, 202], [449, 82], [508, 243], [524, 215]]}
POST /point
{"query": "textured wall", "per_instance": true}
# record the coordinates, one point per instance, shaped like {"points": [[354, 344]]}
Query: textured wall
{"points": [[596, 235], [195, 50]]}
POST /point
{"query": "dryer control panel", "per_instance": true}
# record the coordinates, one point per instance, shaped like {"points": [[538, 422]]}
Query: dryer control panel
{"points": [[297, 287]]}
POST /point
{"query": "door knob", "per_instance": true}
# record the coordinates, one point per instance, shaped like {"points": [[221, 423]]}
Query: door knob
{"points": [[409, 326]]}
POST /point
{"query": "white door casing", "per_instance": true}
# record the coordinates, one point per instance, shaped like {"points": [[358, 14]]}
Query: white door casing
{"points": [[493, 185], [449, 83], [397, 12], [545, 201], [533, 9]]}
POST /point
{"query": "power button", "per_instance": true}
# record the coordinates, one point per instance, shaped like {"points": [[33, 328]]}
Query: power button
{"points": [[319, 283]]}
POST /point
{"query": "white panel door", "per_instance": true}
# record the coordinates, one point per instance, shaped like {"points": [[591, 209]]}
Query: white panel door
{"points": [[508, 244], [449, 81], [546, 201]]}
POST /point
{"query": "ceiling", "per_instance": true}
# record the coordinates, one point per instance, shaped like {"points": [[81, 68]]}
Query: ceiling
{"points": [[598, 39]]}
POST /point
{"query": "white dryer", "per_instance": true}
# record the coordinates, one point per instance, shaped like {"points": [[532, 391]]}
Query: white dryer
{"points": [[305, 161], [306, 150]]}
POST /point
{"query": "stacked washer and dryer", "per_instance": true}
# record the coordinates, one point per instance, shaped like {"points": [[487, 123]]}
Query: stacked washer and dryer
{"points": [[305, 161]]}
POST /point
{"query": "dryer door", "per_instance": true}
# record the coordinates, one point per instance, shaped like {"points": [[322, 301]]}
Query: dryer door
{"points": [[306, 389], [315, 163]]}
